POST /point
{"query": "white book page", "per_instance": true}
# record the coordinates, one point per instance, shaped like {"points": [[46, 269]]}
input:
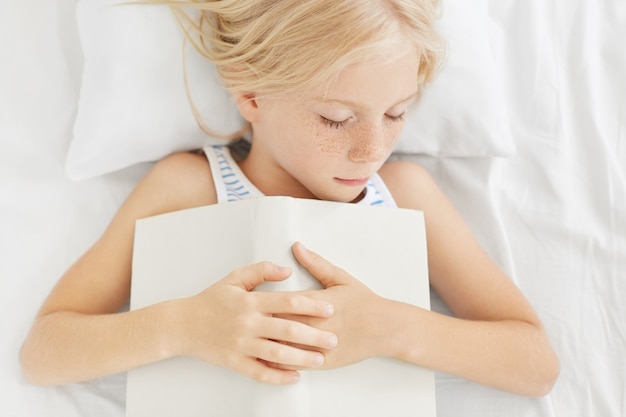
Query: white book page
{"points": [[180, 254]]}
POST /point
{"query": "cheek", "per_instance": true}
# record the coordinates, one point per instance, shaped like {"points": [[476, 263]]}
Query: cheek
{"points": [[322, 140], [394, 133]]}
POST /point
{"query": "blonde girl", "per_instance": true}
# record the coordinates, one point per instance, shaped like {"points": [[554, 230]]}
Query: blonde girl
{"points": [[325, 86]]}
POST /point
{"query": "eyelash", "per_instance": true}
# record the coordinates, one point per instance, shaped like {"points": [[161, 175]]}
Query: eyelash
{"points": [[333, 123], [336, 125], [397, 118]]}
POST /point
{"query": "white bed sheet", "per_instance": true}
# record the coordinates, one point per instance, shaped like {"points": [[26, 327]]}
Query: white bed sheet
{"points": [[553, 215]]}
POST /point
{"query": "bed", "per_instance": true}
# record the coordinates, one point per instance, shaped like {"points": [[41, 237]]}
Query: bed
{"points": [[529, 127]]}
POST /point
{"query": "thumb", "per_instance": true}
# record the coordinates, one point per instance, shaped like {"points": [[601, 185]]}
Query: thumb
{"points": [[248, 277], [328, 274]]}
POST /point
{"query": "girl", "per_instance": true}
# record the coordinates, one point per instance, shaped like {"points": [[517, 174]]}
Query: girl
{"points": [[325, 86]]}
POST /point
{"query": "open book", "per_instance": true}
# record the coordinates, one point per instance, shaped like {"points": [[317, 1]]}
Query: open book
{"points": [[181, 253]]}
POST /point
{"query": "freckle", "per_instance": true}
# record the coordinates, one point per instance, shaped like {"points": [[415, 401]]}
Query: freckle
{"points": [[327, 144], [331, 146]]}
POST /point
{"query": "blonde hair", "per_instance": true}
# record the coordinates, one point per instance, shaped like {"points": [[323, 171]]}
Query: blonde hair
{"points": [[296, 46], [276, 47]]}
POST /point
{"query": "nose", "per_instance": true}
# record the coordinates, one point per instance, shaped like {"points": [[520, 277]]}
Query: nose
{"points": [[369, 144]]}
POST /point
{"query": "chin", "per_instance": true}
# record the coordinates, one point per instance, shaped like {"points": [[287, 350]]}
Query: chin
{"points": [[344, 197]]}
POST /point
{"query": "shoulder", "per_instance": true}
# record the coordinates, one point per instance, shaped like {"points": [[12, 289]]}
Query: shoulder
{"points": [[179, 181], [182, 170], [409, 183]]}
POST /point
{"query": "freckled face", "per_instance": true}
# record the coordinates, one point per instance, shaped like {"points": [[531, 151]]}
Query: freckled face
{"points": [[328, 147]]}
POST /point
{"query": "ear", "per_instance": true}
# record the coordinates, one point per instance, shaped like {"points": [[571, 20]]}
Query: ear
{"points": [[248, 106]]}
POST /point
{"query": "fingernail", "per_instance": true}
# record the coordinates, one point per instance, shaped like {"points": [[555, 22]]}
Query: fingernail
{"points": [[295, 378], [283, 268], [318, 361], [333, 341]]}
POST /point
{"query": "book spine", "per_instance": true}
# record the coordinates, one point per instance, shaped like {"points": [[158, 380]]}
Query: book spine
{"points": [[276, 225]]}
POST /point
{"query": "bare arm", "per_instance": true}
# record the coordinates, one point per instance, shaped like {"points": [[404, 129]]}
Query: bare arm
{"points": [[495, 339], [79, 334]]}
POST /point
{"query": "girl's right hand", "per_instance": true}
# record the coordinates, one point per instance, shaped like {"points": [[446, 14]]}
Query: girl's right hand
{"points": [[232, 326]]}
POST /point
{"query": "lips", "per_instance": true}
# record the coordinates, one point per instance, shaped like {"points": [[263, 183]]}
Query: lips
{"points": [[352, 182]]}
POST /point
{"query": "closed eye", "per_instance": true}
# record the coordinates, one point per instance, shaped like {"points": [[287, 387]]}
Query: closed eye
{"points": [[400, 117], [333, 123]]}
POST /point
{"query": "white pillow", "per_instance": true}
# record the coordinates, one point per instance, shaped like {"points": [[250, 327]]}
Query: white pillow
{"points": [[133, 105]]}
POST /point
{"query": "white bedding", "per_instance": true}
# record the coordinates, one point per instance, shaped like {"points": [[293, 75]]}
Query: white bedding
{"points": [[553, 213]]}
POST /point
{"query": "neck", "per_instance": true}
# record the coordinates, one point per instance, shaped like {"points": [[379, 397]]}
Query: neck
{"points": [[269, 178]]}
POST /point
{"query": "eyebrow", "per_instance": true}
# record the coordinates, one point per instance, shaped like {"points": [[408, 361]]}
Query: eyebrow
{"points": [[354, 104]]}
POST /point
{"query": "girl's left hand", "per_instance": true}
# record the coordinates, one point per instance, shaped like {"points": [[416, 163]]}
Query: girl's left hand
{"points": [[359, 314]]}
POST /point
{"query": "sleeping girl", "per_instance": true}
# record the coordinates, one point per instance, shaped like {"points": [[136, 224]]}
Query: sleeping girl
{"points": [[325, 86]]}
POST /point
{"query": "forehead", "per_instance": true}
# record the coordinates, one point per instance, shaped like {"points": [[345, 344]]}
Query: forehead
{"points": [[388, 79]]}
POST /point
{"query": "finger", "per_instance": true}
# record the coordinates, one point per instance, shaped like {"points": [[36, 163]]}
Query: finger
{"points": [[294, 304], [300, 334], [286, 355], [261, 372], [248, 277], [279, 366], [326, 273]]}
